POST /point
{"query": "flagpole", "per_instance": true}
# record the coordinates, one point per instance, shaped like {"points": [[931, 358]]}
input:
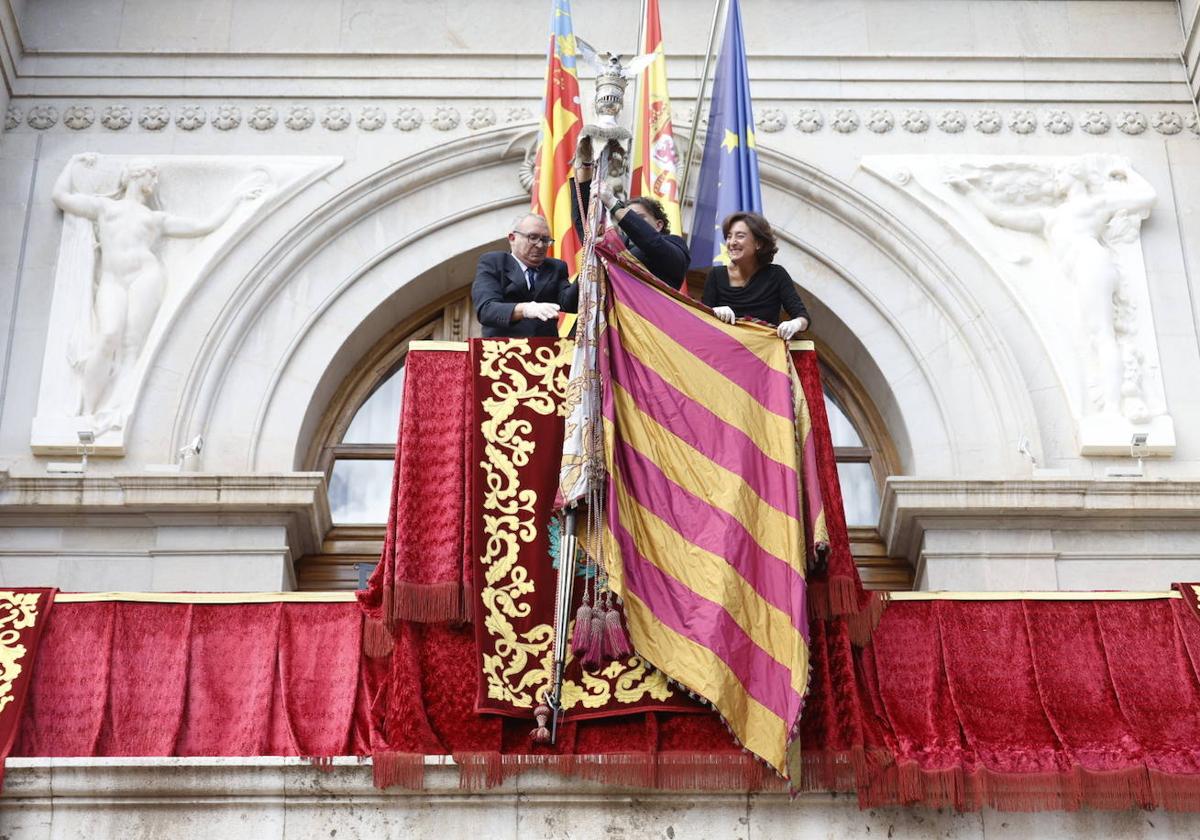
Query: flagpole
{"points": [[637, 80], [687, 160]]}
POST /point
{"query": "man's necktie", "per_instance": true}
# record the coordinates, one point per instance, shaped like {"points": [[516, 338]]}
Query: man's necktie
{"points": [[530, 276]]}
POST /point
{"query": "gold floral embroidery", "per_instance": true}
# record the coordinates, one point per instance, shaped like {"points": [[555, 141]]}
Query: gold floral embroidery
{"points": [[518, 667], [18, 611]]}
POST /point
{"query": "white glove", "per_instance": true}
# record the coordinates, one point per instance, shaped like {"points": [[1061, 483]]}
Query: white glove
{"points": [[725, 313], [540, 311], [607, 197], [789, 328]]}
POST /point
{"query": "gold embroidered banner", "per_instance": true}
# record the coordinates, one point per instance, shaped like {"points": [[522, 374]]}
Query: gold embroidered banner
{"points": [[24, 613], [519, 387]]}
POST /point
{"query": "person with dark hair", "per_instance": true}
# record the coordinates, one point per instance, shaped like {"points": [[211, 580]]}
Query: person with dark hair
{"points": [[643, 225], [752, 285]]}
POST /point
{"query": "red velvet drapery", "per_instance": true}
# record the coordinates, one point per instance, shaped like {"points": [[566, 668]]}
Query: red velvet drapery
{"points": [[420, 572], [1020, 705], [127, 679]]}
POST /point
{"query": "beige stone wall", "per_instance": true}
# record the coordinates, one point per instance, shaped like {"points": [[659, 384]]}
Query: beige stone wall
{"points": [[285, 798], [431, 109]]}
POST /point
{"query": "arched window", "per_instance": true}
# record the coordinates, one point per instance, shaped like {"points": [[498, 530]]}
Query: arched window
{"points": [[861, 460], [358, 440]]}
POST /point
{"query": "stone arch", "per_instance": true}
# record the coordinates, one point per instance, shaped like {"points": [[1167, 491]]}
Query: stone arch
{"points": [[326, 289], [929, 348], [950, 388]]}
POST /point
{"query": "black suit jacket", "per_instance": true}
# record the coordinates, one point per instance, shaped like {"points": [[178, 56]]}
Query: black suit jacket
{"points": [[500, 285], [665, 254]]}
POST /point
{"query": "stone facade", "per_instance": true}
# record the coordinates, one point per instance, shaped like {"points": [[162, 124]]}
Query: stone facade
{"points": [[287, 798], [416, 122]]}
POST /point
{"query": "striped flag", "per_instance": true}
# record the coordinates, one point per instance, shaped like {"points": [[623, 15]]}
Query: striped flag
{"points": [[562, 121], [704, 536], [654, 155], [729, 169]]}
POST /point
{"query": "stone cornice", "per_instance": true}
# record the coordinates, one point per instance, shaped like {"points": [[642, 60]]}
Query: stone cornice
{"points": [[1155, 78], [912, 505], [296, 500]]}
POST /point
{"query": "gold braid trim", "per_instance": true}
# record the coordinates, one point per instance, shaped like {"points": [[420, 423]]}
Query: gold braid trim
{"points": [[519, 665]]}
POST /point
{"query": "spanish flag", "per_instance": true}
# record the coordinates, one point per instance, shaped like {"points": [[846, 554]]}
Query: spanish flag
{"points": [[704, 534], [562, 121], [654, 155]]}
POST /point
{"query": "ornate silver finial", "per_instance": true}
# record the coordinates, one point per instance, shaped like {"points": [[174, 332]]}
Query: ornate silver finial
{"points": [[611, 78]]}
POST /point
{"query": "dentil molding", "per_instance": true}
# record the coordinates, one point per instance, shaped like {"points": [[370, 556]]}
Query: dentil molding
{"points": [[36, 115]]}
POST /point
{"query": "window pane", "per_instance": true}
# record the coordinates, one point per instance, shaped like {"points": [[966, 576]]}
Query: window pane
{"points": [[859, 494], [379, 416], [360, 491], [840, 428]]}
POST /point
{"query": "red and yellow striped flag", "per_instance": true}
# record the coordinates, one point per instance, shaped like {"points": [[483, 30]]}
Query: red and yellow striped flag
{"points": [[654, 155], [562, 120], [704, 535]]}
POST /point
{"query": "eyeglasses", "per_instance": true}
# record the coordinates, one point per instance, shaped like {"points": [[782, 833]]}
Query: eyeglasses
{"points": [[535, 238]]}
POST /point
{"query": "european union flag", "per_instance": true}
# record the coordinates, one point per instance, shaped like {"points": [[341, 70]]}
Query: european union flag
{"points": [[729, 168]]}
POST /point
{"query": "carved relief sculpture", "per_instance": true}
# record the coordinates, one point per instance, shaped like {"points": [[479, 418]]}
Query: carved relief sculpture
{"points": [[129, 276], [1074, 261], [123, 270]]}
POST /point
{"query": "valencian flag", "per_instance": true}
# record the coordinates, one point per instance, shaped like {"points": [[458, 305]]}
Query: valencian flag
{"points": [[704, 537], [729, 168], [654, 155], [562, 121]]}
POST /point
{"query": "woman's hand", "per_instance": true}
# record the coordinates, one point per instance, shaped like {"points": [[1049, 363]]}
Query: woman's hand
{"points": [[788, 329], [725, 314]]}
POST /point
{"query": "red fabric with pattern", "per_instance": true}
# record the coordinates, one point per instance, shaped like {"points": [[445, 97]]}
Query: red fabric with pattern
{"points": [[420, 572], [834, 586], [122, 679], [1035, 705]]}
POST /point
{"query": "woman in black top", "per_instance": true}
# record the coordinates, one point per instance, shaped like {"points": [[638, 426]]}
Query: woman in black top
{"points": [[753, 286]]}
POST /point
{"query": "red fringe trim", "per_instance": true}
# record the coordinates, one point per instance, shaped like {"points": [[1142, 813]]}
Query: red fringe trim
{"points": [[841, 771], [656, 771], [427, 603], [406, 770], [1175, 792], [953, 787], [377, 642], [878, 780], [843, 595], [829, 599], [324, 763], [862, 624]]}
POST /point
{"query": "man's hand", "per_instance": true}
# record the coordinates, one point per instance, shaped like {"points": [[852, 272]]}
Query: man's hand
{"points": [[583, 161], [607, 197], [788, 329], [725, 313], [538, 310]]}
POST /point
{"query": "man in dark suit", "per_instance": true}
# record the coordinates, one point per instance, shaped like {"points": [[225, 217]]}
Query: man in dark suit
{"points": [[519, 294]]}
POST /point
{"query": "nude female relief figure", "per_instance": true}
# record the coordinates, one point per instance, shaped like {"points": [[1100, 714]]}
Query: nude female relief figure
{"points": [[130, 278]]}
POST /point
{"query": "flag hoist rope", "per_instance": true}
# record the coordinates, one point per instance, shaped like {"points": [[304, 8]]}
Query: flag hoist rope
{"points": [[589, 303]]}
